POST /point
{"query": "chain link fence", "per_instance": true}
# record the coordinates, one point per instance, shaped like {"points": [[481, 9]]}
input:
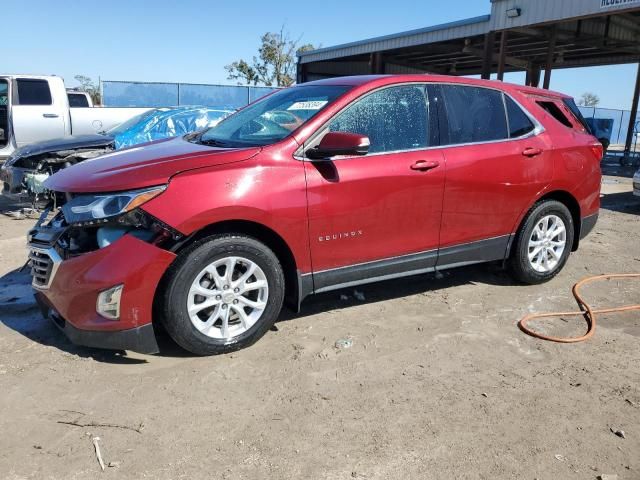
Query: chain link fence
{"points": [[157, 94]]}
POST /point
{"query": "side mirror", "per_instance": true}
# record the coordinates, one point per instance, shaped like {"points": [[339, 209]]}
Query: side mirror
{"points": [[340, 143]]}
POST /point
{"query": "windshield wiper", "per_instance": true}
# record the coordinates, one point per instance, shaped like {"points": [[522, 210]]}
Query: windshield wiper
{"points": [[212, 142]]}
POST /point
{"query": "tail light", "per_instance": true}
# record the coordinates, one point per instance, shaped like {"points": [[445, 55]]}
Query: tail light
{"points": [[598, 151]]}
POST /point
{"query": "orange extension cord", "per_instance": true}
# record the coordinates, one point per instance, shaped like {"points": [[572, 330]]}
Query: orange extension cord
{"points": [[586, 311]]}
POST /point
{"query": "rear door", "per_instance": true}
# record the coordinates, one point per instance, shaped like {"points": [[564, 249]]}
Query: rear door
{"points": [[36, 113], [496, 163], [378, 215]]}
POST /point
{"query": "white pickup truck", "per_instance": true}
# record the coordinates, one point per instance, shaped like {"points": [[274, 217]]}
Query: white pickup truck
{"points": [[35, 108]]}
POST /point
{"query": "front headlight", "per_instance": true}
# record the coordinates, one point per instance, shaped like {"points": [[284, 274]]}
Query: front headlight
{"points": [[100, 208]]}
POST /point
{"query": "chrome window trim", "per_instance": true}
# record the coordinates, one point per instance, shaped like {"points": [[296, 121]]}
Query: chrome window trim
{"points": [[538, 130]]}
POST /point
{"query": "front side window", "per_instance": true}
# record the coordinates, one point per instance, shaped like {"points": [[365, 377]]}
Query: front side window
{"points": [[474, 114], [272, 118], [33, 92], [394, 119]]}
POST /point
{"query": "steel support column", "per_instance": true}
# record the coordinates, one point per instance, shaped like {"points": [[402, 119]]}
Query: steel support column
{"points": [[533, 76], [376, 64], [301, 73], [503, 53], [634, 114], [487, 59], [550, 53]]}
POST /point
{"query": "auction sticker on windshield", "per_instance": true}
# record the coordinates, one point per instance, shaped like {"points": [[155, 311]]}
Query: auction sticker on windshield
{"points": [[310, 105]]}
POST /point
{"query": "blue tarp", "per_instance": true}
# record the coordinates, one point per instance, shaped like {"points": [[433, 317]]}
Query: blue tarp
{"points": [[161, 123]]}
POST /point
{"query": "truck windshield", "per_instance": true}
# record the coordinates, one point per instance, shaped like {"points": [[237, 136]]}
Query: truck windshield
{"points": [[273, 118]]}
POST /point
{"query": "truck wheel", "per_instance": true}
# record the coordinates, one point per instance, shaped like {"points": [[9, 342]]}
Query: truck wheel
{"points": [[543, 243], [222, 293]]}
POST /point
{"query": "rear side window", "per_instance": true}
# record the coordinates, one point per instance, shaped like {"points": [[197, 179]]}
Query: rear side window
{"points": [[474, 114], [77, 100], [33, 92], [571, 105], [519, 123], [555, 112], [394, 119]]}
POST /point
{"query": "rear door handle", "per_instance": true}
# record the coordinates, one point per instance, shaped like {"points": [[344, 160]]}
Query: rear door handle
{"points": [[424, 165], [50, 115], [531, 152]]}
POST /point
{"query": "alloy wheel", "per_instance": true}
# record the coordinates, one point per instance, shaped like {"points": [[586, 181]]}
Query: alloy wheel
{"points": [[227, 297], [547, 243]]}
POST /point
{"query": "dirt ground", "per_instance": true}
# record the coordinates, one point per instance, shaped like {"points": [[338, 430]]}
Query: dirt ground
{"points": [[438, 383]]}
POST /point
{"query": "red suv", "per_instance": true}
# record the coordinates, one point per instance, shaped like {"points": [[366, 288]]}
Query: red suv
{"points": [[321, 186]]}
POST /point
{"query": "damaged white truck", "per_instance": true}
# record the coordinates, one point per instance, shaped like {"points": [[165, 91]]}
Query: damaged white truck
{"points": [[36, 108]]}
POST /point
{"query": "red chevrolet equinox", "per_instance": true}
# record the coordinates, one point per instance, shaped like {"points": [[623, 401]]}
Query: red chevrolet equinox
{"points": [[317, 187]]}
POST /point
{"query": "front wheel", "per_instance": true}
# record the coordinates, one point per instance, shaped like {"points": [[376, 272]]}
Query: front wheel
{"points": [[543, 243], [222, 294]]}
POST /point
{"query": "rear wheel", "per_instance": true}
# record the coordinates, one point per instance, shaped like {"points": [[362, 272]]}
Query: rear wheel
{"points": [[222, 294], [543, 244]]}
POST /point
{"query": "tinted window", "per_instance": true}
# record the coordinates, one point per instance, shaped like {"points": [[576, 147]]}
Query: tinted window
{"points": [[474, 114], [556, 113], [394, 119], [519, 122], [77, 100], [33, 92]]}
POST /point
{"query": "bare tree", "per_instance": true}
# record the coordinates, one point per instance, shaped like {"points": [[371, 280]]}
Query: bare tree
{"points": [[275, 64], [589, 99], [88, 86]]}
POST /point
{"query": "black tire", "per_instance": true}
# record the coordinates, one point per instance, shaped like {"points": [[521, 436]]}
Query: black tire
{"points": [[189, 264], [519, 264]]}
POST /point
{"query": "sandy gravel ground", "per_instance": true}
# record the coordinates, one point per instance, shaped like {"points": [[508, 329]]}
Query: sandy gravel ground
{"points": [[438, 383]]}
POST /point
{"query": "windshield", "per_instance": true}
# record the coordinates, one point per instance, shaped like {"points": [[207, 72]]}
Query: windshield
{"points": [[123, 127], [273, 118]]}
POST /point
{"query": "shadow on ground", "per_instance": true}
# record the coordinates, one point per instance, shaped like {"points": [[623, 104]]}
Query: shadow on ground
{"points": [[624, 202], [20, 313]]}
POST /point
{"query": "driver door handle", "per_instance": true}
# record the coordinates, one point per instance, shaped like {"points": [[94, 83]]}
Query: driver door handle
{"points": [[531, 152], [424, 165], [50, 115]]}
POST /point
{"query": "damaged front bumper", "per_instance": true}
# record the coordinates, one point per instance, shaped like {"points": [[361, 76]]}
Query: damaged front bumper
{"points": [[67, 289]]}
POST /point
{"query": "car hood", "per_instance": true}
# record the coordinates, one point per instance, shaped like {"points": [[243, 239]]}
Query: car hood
{"points": [[57, 144], [142, 166]]}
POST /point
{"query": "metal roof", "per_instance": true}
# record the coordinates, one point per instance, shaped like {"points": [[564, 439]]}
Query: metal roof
{"points": [[436, 33], [531, 12]]}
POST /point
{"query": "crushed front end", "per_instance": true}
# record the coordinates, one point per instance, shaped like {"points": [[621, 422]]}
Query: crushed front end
{"points": [[96, 262]]}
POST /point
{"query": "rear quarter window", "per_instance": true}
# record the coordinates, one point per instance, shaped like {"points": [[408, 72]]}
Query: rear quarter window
{"points": [[553, 109]]}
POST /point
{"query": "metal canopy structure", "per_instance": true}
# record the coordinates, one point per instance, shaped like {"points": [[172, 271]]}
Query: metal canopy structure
{"points": [[529, 36]]}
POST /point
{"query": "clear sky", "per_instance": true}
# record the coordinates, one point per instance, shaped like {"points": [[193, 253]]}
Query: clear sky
{"points": [[192, 40]]}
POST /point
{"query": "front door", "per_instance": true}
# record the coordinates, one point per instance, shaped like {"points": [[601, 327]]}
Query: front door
{"points": [[377, 216]]}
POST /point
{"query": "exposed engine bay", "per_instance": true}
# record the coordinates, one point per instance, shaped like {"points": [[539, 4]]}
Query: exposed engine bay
{"points": [[24, 175]]}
